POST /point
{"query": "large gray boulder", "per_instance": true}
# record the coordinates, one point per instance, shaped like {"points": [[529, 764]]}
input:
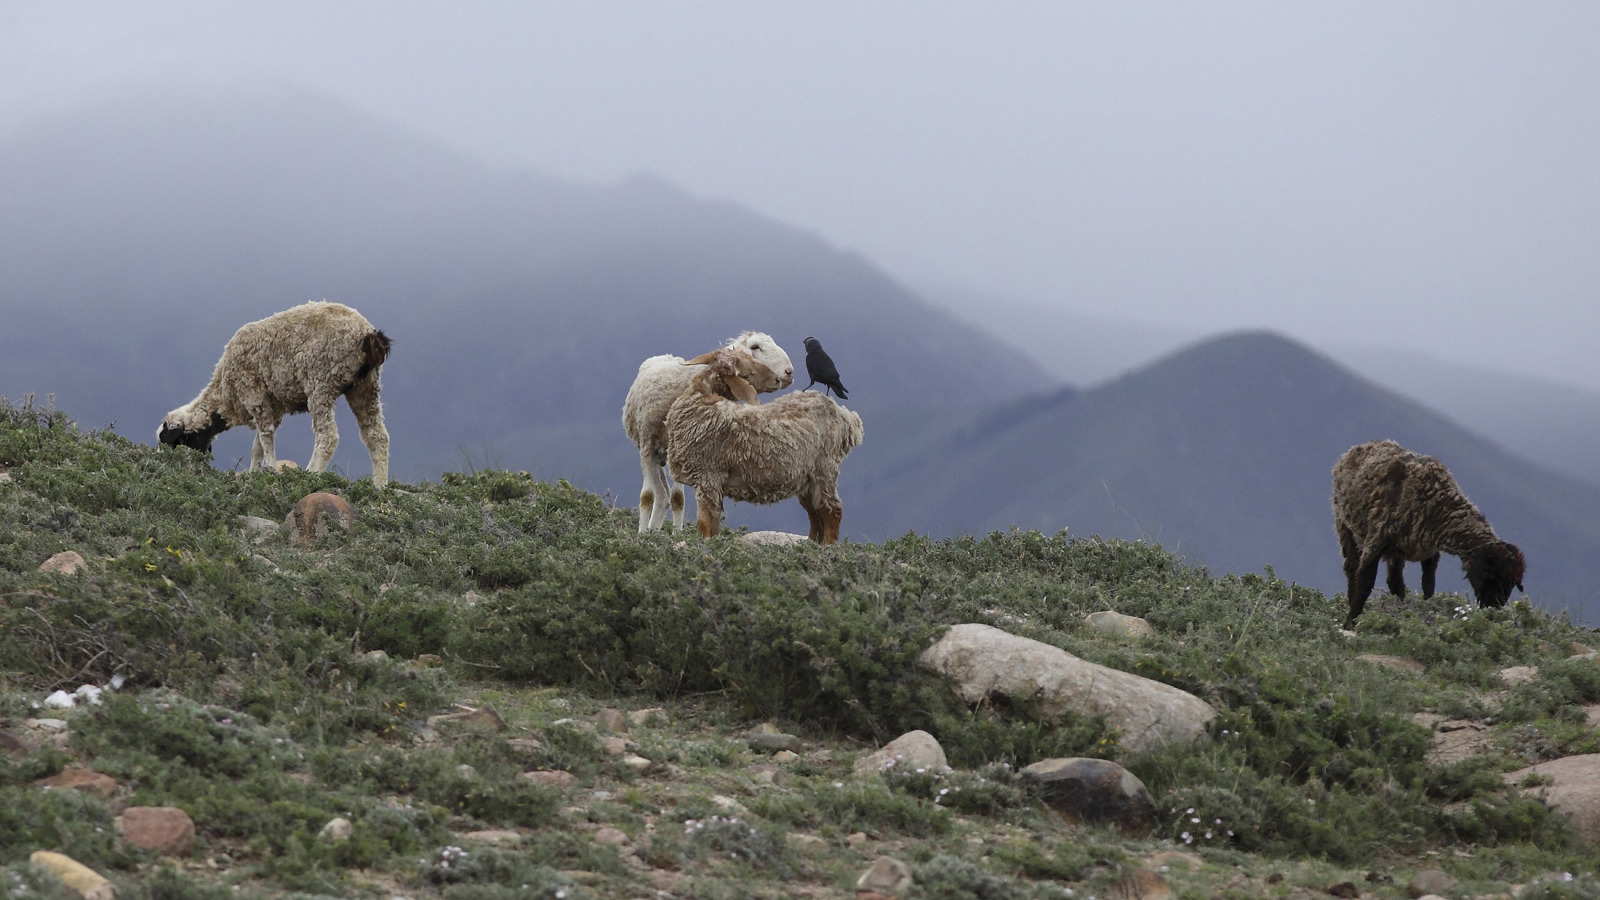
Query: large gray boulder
{"points": [[982, 661]]}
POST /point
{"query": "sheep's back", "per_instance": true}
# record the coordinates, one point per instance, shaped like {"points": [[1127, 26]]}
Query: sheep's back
{"points": [[314, 347], [1385, 494], [644, 411], [759, 454]]}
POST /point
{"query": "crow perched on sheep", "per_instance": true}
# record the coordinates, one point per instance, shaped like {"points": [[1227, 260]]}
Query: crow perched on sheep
{"points": [[820, 368]]}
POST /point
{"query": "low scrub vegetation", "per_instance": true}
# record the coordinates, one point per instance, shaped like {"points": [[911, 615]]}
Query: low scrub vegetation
{"points": [[252, 697]]}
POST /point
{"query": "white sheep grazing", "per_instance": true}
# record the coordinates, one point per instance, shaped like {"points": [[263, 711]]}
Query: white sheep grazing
{"points": [[790, 447], [301, 359], [644, 417]]}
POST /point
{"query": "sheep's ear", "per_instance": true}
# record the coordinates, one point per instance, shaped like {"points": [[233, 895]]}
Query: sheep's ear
{"points": [[704, 359], [742, 390]]}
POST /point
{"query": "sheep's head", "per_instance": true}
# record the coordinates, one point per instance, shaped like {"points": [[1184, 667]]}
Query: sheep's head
{"points": [[183, 427], [761, 346], [1493, 570], [734, 373]]}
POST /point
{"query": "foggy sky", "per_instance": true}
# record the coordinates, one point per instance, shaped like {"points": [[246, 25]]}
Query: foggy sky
{"points": [[1425, 175]]}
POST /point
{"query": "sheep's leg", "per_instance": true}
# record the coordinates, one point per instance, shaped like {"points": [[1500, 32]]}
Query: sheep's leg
{"points": [[326, 430], [815, 515], [1430, 567], [368, 410], [263, 452], [826, 512], [708, 512], [1361, 586], [1351, 553], [260, 450], [652, 496], [679, 505], [1396, 580]]}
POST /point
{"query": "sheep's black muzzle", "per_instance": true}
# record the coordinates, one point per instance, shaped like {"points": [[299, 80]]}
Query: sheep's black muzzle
{"points": [[174, 435]]}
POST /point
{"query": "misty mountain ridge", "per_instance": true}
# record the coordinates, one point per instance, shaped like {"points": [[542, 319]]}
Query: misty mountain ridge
{"points": [[1223, 452], [144, 233], [1556, 425]]}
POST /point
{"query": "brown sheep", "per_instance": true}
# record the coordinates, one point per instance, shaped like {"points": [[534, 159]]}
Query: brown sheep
{"points": [[1396, 506], [790, 447]]}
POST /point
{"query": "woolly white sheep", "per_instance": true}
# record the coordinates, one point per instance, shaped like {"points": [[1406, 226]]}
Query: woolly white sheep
{"points": [[1396, 506], [644, 417], [300, 359], [790, 447]]}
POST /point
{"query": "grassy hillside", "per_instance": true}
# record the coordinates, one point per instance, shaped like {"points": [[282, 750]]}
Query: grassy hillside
{"points": [[255, 701], [1222, 453]]}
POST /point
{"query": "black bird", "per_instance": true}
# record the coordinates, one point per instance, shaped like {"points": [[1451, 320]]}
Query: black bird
{"points": [[820, 368]]}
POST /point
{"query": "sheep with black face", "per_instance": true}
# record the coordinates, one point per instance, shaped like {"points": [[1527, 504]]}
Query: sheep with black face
{"points": [[299, 360]]}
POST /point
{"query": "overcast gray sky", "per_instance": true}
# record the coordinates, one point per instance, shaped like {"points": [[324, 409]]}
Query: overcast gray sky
{"points": [[1418, 174]]}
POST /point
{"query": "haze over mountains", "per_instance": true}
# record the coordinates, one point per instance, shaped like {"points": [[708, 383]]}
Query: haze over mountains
{"points": [[137, 236]]}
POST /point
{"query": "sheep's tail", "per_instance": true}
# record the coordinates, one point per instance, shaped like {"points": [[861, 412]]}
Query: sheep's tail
{"points": [[374, 350]]}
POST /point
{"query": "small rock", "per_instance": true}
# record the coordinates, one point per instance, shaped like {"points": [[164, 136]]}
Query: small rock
{"points": [[429, 659], [765, 773], [483, 718], [12, 743], [1346, 889], [75, 875], [614, 746], [67, 562], [337, 831], [1143, 885], [729, 805], [257, 529], [375, 656], [1108, 622], [1095, 791], [61, 700], [611, 837], [887, 876], [785, 756], [466, 770], [1516, 675], [166, 830], [1577, 649], [637, 763], [856, 839], [86, 780], [46, 724], [611, 720], [641, 717], [910, 751], [807, 844], [1397, 663], [495, 836], [1431, 881], [773, 742], [1170, 858], [774, 538], [766, 728], [550, 778], [310, 518], [525, 745]]}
